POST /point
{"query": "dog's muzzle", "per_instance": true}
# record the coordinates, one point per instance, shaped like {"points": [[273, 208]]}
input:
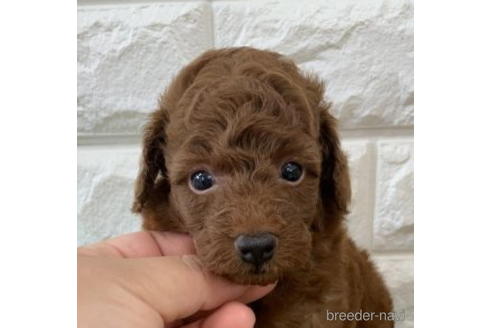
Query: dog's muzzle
{"points": [[256, 249]]}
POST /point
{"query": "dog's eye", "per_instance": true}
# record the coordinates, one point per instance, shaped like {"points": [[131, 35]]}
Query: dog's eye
{"points": [[201, 180], [291, 172]]}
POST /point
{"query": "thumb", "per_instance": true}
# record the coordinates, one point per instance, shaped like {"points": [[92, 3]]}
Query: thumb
{"points": [[175, 286], [178, 286]]}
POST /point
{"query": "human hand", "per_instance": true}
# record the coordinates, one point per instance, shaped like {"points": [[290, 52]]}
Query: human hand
{"points": [[151, 279]]}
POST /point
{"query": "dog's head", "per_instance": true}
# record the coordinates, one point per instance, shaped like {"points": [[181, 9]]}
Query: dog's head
{"points": [[249, 165]]}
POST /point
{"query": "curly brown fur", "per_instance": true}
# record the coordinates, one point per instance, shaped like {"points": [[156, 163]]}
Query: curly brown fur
{"points": [[241, 113]]}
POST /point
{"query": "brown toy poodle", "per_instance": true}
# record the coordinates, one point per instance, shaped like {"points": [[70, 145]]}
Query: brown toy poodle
{"points": [[244, 156]]}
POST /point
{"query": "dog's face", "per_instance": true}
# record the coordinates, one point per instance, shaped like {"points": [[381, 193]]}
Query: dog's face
{"points": [[246, 187], [247, 174]]}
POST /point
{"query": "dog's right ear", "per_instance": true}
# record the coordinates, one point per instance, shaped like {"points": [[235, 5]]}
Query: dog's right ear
{"points": [[152, 163]]}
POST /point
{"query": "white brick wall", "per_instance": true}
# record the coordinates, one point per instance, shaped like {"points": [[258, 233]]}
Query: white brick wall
{"points": [[129, 50]]}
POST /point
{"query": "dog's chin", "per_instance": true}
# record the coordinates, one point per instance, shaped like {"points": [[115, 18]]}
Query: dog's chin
{"points": [[247, 274], [254, 277]]}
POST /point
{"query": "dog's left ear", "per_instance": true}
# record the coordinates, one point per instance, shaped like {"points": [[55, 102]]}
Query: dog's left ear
{"points": [[335, 187]]}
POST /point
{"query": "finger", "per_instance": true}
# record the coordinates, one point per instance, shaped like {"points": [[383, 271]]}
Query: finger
{"points": [[173, 243], [255, 292], [178, 287], [232, 314], [142, 244]]}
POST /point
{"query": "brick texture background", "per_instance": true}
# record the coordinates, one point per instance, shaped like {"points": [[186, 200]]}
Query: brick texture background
{"points": [[129, 50]]}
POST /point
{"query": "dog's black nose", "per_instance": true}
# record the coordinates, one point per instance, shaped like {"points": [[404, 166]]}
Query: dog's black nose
{"points": [[256, 249]]}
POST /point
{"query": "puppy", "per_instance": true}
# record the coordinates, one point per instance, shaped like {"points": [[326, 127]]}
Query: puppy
{"points": [[244, 156]]}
